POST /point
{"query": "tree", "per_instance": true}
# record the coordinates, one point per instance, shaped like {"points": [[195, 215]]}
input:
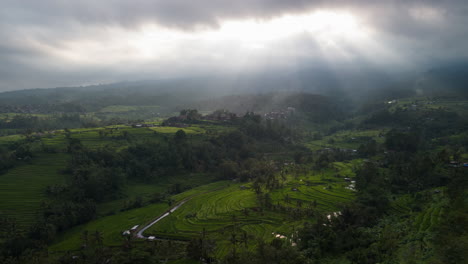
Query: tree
{"points": [[180, 136], [229, 169]]}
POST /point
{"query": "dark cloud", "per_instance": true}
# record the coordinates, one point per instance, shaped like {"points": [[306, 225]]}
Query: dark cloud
{"points": [[175, 13], [33, 33], [188, 14]]}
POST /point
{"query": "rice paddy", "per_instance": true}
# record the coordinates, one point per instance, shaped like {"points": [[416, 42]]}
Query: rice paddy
{"points": [[430, 217], [22, 188], [235, 208]]}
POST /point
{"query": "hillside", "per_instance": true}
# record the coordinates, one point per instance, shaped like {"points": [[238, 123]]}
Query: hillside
{"points": [[234, 186]]}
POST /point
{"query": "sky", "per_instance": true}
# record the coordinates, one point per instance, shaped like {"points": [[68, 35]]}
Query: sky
{"points": [[53, 43]]}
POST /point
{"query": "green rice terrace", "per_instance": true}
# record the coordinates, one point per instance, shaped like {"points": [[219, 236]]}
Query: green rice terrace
{"points": [[235, 208], [222, 208], [23, 188]]}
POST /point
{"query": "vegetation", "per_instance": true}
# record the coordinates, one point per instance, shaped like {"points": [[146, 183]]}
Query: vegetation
{"points": [[23, 187], [314, 181]]}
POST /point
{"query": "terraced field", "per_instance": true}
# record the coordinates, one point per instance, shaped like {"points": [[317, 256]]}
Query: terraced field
{"points": [[173, 130], [111, 227], [220, 213], [430, 217], [128, 108], [5, 140], [348, 139], [114, 135], [212, 211], [327, 194], [401, 205], [235, 209], [147, 190], [460, 106], [91, 138], [22, 188]]}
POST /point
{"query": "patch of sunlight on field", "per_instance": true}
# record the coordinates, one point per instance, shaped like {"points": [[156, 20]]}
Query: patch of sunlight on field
{"points": [[127, 108], [173, 130]]}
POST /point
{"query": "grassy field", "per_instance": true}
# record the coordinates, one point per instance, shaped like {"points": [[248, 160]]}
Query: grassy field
{"points": [[22, 188]]}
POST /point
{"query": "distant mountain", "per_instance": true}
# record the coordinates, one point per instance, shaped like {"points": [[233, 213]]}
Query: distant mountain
{"points": [[340, 84], [447, 80], [166, 93], [266, 102], [172, 92]]}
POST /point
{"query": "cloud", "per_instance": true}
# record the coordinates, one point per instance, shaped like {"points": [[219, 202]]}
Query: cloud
{"points": [[51, 42]]}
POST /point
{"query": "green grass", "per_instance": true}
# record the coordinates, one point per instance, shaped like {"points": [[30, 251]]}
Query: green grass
{"points": [[22, 188]]}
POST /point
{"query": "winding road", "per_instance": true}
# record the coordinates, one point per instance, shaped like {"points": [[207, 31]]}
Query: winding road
{"points": [[140, 234]]}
